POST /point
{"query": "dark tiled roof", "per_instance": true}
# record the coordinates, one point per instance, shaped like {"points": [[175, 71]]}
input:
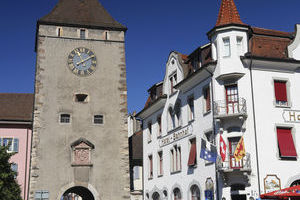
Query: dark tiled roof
{"points": [[82, 13], [137, 146], [16, 107], [228, 14], [269, 43]]}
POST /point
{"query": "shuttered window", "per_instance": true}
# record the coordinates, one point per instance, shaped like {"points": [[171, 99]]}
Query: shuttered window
{"points": [[280, 91], [286, 143], [192, 156]]}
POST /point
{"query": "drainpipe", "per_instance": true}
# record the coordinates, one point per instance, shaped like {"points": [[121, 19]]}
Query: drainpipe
{"points": [[214, 130], [254, 121]]}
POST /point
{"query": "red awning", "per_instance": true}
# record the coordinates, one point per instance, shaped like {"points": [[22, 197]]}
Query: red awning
{"points": [[192, 157], [286, 143], [291, 192]]}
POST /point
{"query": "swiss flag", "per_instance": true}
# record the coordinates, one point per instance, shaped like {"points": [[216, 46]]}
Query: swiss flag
{"points": [[222, 148]]}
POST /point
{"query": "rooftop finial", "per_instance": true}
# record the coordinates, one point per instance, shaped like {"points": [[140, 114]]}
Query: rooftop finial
{"points": [[228, 14]]}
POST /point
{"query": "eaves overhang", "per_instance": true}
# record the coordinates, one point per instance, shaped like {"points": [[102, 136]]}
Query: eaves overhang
{"points": [[232, 26], [198, 76], [278, 64], [155, 106]]}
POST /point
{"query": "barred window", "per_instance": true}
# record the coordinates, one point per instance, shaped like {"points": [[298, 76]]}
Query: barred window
{"points": [[98, 119], [65, 118]]}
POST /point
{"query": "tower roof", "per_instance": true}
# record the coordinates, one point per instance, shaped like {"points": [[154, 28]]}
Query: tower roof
{"points": [[81, 13], [228, 14]]}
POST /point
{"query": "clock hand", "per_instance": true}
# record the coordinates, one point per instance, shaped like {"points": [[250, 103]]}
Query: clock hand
{"points": [[82, 61], [80, 58]]}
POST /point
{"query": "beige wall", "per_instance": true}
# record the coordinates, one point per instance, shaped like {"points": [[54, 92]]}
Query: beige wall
{"points": [[55, 86]]}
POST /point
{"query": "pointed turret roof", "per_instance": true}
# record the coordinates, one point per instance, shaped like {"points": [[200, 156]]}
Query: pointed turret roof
{"points": [[228, 14], [81, 13]]}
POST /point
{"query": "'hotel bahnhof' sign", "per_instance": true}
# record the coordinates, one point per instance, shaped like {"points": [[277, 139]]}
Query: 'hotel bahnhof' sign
{"points": [[292, 116], [175, 136]]}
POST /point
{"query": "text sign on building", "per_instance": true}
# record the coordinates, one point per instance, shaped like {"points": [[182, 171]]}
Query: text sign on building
{"points": [[292, 116], [184, 132]]}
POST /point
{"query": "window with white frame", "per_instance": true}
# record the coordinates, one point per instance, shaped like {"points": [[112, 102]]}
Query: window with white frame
{"points": [[239, 45], [206, 97], [172, 82], [191, 111], [175, 159], [281, 96], [150, 162], [286, 145], [149, 131], [11, 143], [160, 163], [226, 45]]}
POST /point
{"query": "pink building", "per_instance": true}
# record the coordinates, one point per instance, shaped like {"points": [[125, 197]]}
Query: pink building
{"points": [[15, 130]]}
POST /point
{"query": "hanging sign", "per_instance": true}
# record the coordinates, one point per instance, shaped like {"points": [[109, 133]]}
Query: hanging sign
{"points": [[292, 116]]}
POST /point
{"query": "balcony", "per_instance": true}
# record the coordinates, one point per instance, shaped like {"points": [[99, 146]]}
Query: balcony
{"points": [[231, 165], [229, 109]]}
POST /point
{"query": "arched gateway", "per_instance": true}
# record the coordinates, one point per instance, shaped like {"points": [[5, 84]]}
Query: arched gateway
{"points": [[77, 193]]}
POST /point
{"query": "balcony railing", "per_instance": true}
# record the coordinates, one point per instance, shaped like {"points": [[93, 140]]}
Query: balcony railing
{"points": [[232, 164], [224, 108]]}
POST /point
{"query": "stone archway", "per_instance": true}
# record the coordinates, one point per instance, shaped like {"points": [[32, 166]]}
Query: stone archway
{"points": [[77, 193]]}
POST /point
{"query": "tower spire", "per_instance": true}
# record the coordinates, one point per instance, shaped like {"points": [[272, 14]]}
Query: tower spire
{"points": [[228, 14]]}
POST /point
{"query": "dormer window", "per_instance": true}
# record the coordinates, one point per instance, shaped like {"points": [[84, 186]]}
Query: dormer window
{"points": [[173, 82], [82, 33], [239, 45], [226, 43]]}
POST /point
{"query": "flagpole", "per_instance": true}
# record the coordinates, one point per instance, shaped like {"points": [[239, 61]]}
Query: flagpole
{"points": [[214, 129]]}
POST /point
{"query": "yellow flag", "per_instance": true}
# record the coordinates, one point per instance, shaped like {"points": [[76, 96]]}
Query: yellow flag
{"points": [[239, 152]]}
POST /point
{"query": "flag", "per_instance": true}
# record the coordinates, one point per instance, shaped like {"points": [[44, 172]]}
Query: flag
{"points": [[206, 154], [222, 148], [239, 152]]}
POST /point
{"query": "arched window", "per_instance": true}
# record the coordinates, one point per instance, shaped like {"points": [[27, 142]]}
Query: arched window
{"points": [[155, 196], [195, 192], [297, 182], [177, 194]]}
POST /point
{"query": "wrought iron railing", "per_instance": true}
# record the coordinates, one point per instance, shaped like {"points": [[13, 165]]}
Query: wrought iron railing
{"points": [[232, 164], [226, 108]]}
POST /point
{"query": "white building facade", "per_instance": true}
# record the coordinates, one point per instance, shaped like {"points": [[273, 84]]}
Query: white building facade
{"points": [[242, 85]]}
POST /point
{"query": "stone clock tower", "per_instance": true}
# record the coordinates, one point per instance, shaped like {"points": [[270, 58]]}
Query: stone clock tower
{"points": [[80, 146]]}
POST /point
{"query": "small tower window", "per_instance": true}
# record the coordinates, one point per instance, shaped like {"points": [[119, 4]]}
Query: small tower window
{"points": [[239, 45], [59, 31], [81, 98], [106, 35], [226, 42], [98, 119], [82, 33], [65, 118]]}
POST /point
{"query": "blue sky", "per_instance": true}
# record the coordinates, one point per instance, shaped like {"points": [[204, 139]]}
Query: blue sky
{"points": [[154, 29]]}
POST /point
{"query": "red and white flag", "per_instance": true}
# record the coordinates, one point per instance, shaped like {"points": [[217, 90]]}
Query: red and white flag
{"points": [[222, 148]]}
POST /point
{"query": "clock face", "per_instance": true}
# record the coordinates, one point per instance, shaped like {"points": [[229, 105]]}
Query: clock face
{"points": [[82, 61]]}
